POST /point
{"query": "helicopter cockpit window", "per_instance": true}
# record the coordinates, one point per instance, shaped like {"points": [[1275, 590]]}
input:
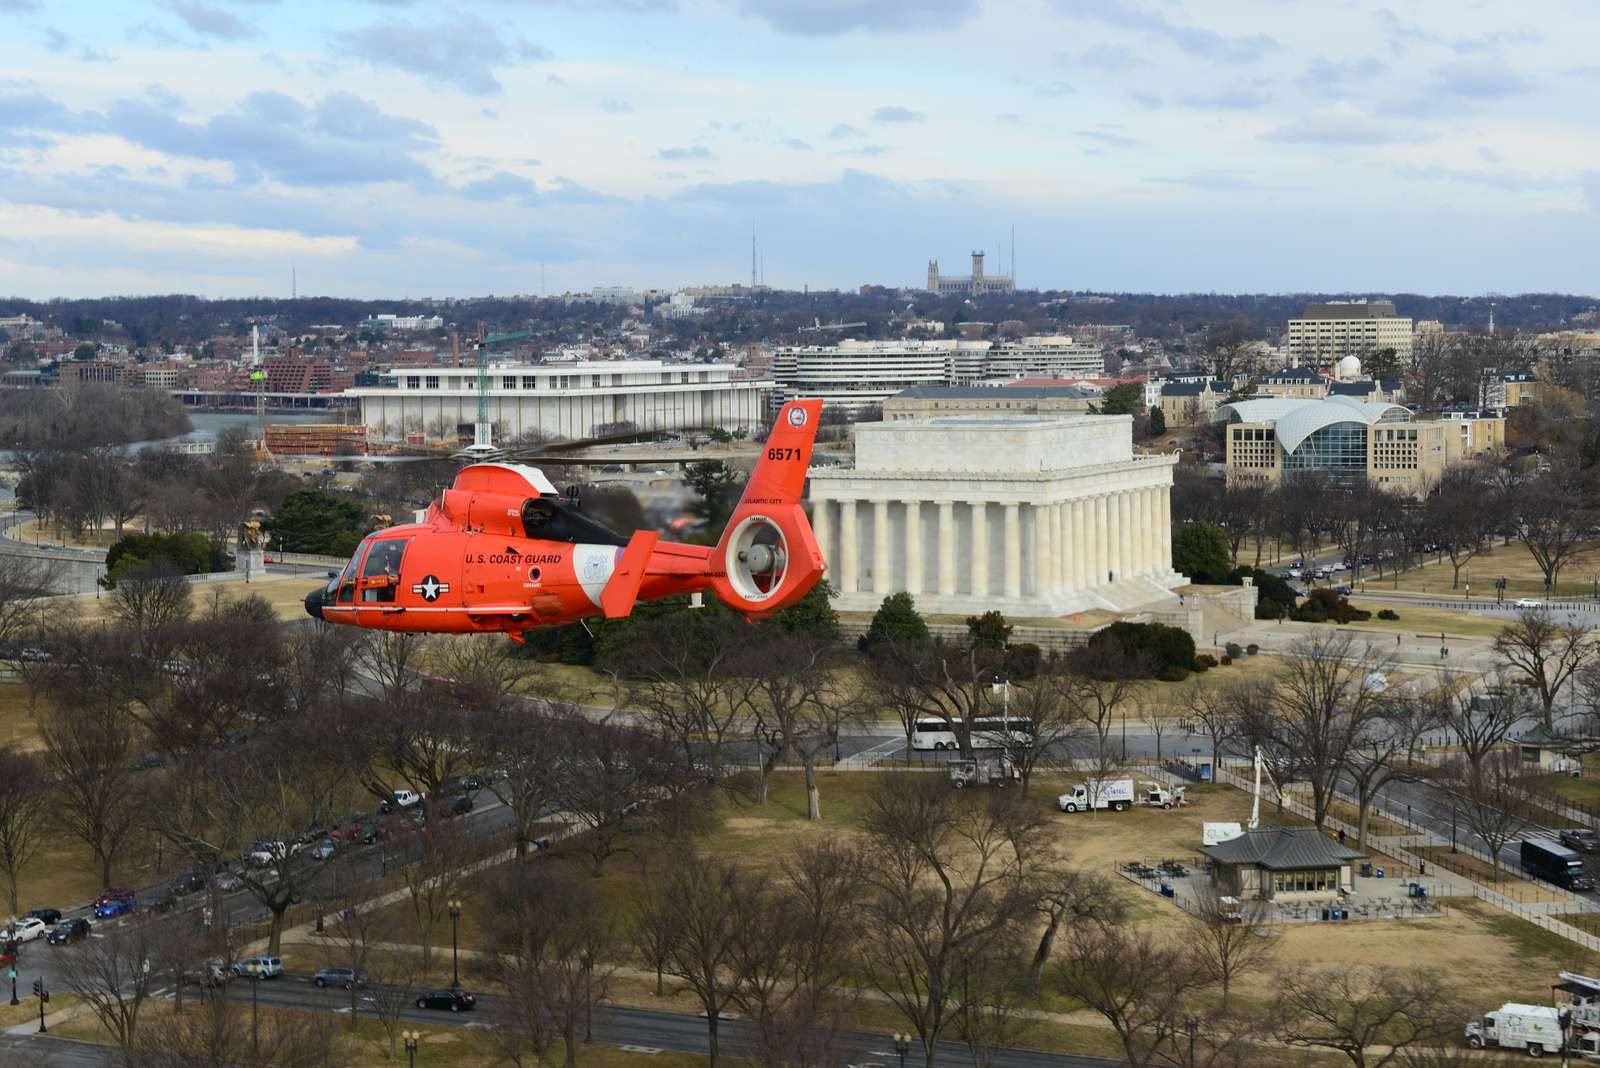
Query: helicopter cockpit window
{"points": [[380, 574], [347, 577]]}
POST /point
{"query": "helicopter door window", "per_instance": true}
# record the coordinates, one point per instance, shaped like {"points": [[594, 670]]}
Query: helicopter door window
{"points": [[347, 578], [380, 574]]}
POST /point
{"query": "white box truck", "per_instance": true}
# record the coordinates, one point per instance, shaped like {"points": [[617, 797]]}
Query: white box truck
{"points": [[1534, 1028], [1115, 794]]}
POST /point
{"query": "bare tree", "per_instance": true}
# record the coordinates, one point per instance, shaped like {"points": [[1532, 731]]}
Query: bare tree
{"points": [[1227, 941], [615, 783], [946, 875], [1213, 710], [1136, 982], [548, 942], [682, 671], [1461, 516], [795, 695], [1493, 796], [1383, 752], [220, 1035], [525, 745], [1103, 677], [1371, 1016], [1477, 722], [393, 972], [1548, 654], [357, 928], [1067, 897], [393, 661], [1048, 704], [153, 600], [989, 999], [88, 749], [1323, 701], [114, 976], [433, 880], [708, 902], [1550, 513], [25, 796], [24, 583]]}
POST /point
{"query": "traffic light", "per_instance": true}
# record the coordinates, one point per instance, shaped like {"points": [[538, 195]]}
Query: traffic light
{"points": [[38, 988]]}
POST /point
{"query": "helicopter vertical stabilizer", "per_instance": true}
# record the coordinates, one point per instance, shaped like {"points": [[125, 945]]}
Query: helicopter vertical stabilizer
{"points": [[768, 557]]}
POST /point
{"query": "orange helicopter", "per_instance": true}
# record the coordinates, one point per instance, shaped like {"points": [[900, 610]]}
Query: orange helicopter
{"points": [[502, 551]]}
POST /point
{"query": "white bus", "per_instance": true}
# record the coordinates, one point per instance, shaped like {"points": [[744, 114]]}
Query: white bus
{"points": [[988, 732]]}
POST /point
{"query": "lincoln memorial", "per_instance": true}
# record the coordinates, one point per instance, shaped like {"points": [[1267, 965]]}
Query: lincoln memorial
{"points": [[1033, 517]]}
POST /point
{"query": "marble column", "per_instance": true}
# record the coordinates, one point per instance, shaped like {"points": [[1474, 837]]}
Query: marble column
{"points": [[1164, 529], [1130, 536], [1147, 532], [1078, 546], [849, 548], [882, 561], [914, 548], [1054, 555], [947, 549], [1100, 524], [980, 549], [822, 527], [1013, 550]]}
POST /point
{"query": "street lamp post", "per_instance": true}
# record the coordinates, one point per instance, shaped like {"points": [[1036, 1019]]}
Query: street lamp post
{"points": [[1192, 1027], [902, 1046], [411, 1038], [1452, 824], [455, 945], [14, 1000]]}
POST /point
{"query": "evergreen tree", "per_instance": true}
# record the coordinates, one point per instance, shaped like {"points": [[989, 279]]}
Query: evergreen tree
{"points": [[1158, 421], [1200, 551], [312, 521], [897, 620]]}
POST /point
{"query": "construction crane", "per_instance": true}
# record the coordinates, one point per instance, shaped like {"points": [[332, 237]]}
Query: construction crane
{"points": [[483, 447]]}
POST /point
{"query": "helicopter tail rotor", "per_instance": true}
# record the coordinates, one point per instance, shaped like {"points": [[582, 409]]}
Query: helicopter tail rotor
{"points": [[768, 557]]}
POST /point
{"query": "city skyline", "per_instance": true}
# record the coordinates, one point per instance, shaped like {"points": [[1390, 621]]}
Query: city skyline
{"points": [[424, 149]]}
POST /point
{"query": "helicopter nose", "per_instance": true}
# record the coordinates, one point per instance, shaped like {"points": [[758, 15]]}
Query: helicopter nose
{"points": [[314, 604]]}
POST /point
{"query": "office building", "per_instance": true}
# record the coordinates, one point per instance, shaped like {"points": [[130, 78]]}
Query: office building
{"points": [[1044, 357], [967, 285], [1506, 389], [1032, 517], [854, 374], [570, 400], [1190, 403], [987, 402], [401, 322], [1327, 332], [1350, 440]]}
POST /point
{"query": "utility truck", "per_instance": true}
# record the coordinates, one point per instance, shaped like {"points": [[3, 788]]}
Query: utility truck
{"points": [[983, 771], [1535, 1028], [1118, 795]]}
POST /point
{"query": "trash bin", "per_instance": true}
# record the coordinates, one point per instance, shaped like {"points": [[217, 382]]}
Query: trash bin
{"points": [[1327, 914], [1379, 873], [1412, 889], [1166, 890], [1366, 871]]}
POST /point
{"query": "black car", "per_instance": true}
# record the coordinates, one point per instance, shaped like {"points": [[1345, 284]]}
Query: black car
{"points": [[453, 1000], [1582, 839], [460, 806], [478, 780], [49, 916], [68, 931], [188, 882], [154, 903]]}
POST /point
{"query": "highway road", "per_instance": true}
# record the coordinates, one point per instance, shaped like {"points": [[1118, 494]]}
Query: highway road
{"points": [[642, 1030]]}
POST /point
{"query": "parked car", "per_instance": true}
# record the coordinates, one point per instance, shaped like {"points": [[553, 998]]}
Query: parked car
{"points": [[400, 800], [1581, 839], [479, 780], [116, 893], [260, 967], [27, 929], [453, 1000], [117, 906], [323, 850], [1343, 589], [217, 973], [344, 978], [262, 853], [348, 826], [1529, 602], [154, 903], [187, 882], [49, 916], [460, 806], [1295, 572], [69, 931], [228, 881]]}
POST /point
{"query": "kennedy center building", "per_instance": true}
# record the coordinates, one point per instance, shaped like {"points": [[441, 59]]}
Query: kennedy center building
{"points": [[1033, 517]]}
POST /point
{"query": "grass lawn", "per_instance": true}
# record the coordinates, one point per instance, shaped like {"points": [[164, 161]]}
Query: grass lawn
{"points": [[28, 1011], [1583, 791], [17, 723], [1425, 621], [1513, 562]]}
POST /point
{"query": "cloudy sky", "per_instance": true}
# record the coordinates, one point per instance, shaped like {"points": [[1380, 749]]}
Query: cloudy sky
{"points": [[393, 148]]}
